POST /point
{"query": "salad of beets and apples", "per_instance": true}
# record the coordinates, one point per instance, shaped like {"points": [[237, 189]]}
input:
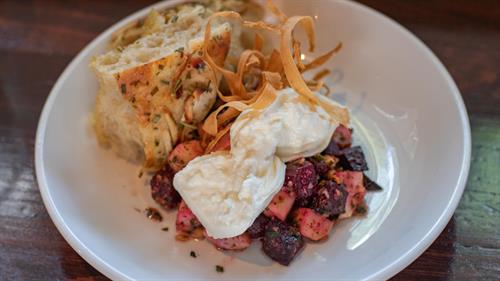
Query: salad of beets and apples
{"points": [[318, 191]]}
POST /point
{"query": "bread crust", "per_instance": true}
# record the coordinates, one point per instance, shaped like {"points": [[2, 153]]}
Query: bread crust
{"points": [[139, 110]]}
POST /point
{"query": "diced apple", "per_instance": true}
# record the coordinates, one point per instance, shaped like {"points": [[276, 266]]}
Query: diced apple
{"points": [[186, 222], [183, 153], [236, 243], [280, 205], [312, 225], [356, 191]]}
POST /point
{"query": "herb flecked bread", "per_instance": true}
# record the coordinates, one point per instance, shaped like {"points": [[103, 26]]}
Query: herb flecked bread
{"points": [[155, 86]]}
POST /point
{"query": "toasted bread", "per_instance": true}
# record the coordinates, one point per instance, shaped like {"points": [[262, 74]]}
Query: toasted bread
{"points": [[152, 86]]}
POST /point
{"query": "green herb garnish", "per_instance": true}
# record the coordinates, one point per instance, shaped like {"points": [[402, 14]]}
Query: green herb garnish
{"points": [[175, 159], [219, 268], [178, 85], [361, 209], [154, 91], [156, 118], [272, 234]]}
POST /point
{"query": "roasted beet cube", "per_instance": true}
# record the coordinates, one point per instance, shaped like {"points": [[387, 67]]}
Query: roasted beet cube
{"points": [[258, 228], [370, 185], [353, 159], [323, 163], [341, 139], [320, 166], [162, 188], [332, 149], [282, 242], [342, 136], [312, 225], [330, 198], [301, 178]]}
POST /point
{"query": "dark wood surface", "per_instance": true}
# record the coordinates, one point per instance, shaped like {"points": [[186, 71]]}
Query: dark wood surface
{"points": [[39, 38]]}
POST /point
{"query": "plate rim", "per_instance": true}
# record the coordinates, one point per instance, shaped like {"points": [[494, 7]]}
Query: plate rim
{"points": [[386, 272]]}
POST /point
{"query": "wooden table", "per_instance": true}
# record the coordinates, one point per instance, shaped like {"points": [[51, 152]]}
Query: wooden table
{"points": [[39, 38]]}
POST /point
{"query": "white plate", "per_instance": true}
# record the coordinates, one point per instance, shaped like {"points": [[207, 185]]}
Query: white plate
{"points": [[408, 115]]}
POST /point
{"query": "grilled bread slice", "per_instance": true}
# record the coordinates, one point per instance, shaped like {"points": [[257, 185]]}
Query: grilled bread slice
{"points": [[149, 88]]}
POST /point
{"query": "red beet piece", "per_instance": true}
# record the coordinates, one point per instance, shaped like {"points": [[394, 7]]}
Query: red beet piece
{"points": [[330, 198], [162, 188], [301, 178], [342, 136], [370, 185], [323, 163], [353, 159], [258, 228], [282, 242]]}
